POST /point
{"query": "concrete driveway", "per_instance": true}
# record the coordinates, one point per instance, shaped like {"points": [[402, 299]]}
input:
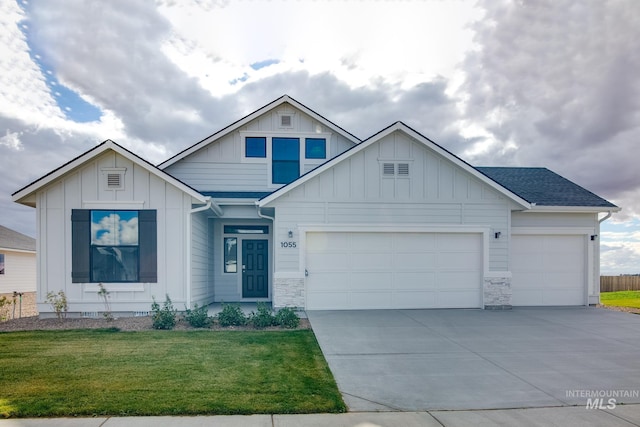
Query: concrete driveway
{"points": [[414, 360]]}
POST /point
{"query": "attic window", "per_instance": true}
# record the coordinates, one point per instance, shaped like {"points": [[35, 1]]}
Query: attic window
{"points": [[113, 178]]}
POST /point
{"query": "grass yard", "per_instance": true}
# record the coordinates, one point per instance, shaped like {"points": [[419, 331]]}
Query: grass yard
{"points": [[621, 299], [107, 372]]}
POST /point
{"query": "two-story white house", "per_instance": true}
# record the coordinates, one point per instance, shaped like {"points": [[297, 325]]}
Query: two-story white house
{"points": [[286, 206]]}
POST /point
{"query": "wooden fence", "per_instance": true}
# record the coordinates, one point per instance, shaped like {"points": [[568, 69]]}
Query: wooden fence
{"points": [[619, 283]]}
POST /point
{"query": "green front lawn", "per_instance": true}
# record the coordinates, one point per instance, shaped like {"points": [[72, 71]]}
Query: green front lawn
{"points": [[105, 372], [621, 299]]}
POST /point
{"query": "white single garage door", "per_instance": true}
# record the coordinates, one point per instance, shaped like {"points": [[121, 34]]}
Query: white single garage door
{"points": [[371, 270], [548, 269]]}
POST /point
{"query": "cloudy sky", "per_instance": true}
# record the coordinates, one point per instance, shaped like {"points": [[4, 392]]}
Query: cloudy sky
{"points": [[551, 83]]}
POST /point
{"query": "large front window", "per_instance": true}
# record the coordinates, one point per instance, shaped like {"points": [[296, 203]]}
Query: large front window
{"points": [[114, 246]]}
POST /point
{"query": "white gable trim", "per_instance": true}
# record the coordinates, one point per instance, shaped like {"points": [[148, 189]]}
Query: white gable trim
{"points": [[235, 126], [398, 126], [23, 196]]}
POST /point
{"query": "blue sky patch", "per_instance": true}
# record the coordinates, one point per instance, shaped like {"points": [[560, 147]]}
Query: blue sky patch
{"points": [[263, 64], [74, 107]]}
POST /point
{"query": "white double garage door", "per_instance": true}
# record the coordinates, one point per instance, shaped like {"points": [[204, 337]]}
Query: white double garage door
{"points": [[378, 270]]}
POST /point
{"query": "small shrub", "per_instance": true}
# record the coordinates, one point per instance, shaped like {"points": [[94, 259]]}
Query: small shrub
{"points": [[58, 303], [104, 294], [231, 315], [264, 317], [198, 317], [165, 317], [287, 318], [4, 312]]}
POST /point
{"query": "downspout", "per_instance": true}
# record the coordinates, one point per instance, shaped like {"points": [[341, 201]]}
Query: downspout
{"points": [[273, 258], [600, 221], [606, 217], [218, 211]]}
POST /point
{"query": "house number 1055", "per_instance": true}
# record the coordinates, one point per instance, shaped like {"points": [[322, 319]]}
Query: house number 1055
{"points": [[288, 244]]}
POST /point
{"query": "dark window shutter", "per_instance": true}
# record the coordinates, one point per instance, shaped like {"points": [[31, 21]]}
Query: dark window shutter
{"points": [[80, 245], [148, 246]]}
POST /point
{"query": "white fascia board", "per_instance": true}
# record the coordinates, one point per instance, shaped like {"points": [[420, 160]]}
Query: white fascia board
{"points": [[573, 209], [93, 153], [237, 125]]}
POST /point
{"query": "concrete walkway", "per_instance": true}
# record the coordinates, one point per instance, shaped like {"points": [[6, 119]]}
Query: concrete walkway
{"points": [[627, 415], [426, 360]]}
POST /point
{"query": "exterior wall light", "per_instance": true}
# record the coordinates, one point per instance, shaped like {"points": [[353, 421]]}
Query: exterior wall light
{"points": [[290, 234], [498, 234]]}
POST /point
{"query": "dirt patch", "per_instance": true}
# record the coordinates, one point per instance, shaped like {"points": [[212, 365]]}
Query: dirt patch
{"points": [[13, 309], [625, 309], [123, 323]]}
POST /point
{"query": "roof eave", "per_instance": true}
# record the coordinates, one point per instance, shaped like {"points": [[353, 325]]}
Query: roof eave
{"points": [[573, 209]]}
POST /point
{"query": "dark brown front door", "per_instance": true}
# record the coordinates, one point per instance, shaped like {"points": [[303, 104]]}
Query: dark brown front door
{"points": [[255, 269]]}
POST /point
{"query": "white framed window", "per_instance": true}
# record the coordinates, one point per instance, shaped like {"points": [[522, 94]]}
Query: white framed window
{"points": [[287, 155]]}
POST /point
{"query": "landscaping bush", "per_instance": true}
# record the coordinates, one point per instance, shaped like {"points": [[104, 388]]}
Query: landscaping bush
{"points": [[287, 318], [58, 302], [264, 317], [198, 317], [231, 315], [165, 317]]}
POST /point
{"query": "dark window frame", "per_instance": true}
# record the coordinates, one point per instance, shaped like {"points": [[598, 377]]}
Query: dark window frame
{"points": [[81, 263], [255, 147]]}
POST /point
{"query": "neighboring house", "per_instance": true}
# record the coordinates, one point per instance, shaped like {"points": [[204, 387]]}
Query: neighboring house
{"points": [[17, 262], [285, 206]]}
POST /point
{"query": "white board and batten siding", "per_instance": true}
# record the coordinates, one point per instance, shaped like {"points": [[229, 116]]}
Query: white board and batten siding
{"points": [[219, 166], [84, 189], [437, 205]]}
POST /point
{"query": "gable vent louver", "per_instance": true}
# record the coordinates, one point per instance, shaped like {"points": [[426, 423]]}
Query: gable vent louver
{"points": [[403, 169], [388, 169], [114, 180], [285, 121]]}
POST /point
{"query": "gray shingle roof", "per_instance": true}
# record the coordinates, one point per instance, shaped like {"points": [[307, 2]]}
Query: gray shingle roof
{"points": [[544, 187], [10, 239]]}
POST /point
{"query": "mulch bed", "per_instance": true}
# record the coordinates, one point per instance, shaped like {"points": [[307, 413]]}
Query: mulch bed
{"points": [[123, 324]]}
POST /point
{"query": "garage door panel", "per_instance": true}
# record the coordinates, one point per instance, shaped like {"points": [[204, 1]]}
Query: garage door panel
{"points": [[415, 261], [415, 280], [417, 299], [372, 281], [318, 242], [459, 261], [394, 270], [328, 261], [370, 261], [407, 243], [365, 242], [548, 269], [457, 299], [457, 280], [454, 242], [370, 300], [326, 281]]}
